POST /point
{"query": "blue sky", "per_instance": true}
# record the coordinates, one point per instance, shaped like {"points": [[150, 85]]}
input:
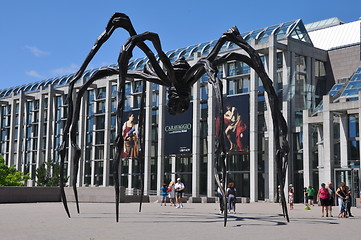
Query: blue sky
{"points": [[41, 39]]}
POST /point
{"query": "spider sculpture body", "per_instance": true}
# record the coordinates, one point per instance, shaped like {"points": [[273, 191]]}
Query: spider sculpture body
{"points": [[178, 77]]}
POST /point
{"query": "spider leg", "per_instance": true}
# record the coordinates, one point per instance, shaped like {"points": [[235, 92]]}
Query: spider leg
{"points": [[253, 60], [123, 60], [73, 130], [116, 21], [141, 144], [138, 40], [220, 153], [193, 74], [280, 125]]}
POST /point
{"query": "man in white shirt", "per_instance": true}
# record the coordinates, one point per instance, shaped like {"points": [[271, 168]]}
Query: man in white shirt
{"points": [[179, 188]]}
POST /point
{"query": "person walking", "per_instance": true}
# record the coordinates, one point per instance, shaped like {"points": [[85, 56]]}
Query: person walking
{"points": [[164, 192], [220, 198], [179, 188], [231, 193], [291, 197], [348, 201], [341, 197], [323, 198], [331, 200], [310, 194], [305, 194], [171, 193]]}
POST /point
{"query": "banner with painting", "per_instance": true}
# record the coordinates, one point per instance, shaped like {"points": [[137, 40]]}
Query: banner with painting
{"points": [[178, 132], [236, 123], [130, 134]]}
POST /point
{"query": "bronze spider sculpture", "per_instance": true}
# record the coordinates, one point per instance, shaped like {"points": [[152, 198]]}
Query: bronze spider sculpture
{"points": [[178, 77]]}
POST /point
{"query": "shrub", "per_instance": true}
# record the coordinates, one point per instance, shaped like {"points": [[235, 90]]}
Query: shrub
{"points": [[9, 176]]}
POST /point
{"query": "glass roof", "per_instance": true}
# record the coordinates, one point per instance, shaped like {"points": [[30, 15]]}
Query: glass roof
{"points": [[348, 89], [323, 24], [299, 32], [336, 89], [294, 29], [354, 85]]}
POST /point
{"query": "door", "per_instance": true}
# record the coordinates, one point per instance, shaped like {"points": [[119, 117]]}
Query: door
{"points": [[351, 178]]}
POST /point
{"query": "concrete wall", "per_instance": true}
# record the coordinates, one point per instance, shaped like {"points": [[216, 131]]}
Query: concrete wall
{"points": [[101, 195], [29, 194], [52, 194], [345, 61]]}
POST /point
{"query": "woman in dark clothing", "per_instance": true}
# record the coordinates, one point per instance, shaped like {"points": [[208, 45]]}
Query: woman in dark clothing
{"points": [[341, 196]]}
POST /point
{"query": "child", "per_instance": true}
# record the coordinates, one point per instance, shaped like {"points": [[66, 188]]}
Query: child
{"points": [[291, 197], [164, 190]]}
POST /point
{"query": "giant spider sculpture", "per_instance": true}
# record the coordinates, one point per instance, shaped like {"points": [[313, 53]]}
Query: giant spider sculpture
{"points": [[178, 77]]}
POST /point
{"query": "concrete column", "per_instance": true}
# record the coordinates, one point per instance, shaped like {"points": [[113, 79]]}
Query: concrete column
{"points": [[40, 133], [160, 157], [310, 62], [211, 142], [81, 139], [107, 132], [92, 158], [49, 125], [196, 140], [71, 151], [130, 172], [20, 147], [328, 158], [147, 138], [286, 76], [253, 112], [173, 168], [343, 140], [272, 173], [11, 160], [288, 105], [307, 160], [29, 123], [320, 152]]}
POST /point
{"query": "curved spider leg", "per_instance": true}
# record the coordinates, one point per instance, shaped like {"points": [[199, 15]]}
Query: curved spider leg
{"points": [[154, 79], [116, 21], [141, 144], [192, 75], [219, 140], [280, 125], [123, 60], [73, 130], [254, 61]]}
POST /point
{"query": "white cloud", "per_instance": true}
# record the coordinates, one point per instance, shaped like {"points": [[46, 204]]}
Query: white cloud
{"points": [[34, 74], [65, 70], [36, 51]]}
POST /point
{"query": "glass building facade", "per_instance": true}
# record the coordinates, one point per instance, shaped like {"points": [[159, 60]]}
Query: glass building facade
{"points": [[33, 117]]}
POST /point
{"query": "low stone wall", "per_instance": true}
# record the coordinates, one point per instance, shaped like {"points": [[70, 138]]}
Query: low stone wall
{"points": [[86, 195], [52, 194], [93, 194], [101, 195], [29, 194]]}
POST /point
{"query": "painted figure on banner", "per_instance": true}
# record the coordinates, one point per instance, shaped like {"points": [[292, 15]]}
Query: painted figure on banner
{"points": [[130, 135], [236, 126]]}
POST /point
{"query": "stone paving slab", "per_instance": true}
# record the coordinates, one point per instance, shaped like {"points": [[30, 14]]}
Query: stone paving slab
{"points": [[195, 221]]}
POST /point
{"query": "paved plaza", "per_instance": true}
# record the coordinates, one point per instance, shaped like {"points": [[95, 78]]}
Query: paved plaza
{"points": [[195, 221]]}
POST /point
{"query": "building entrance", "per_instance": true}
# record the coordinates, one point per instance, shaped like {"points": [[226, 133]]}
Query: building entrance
{"points": [[349, 176]]}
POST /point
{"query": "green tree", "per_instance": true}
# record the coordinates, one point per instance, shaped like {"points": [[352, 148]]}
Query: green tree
{"points": [[9, 176], [47, 174]]}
